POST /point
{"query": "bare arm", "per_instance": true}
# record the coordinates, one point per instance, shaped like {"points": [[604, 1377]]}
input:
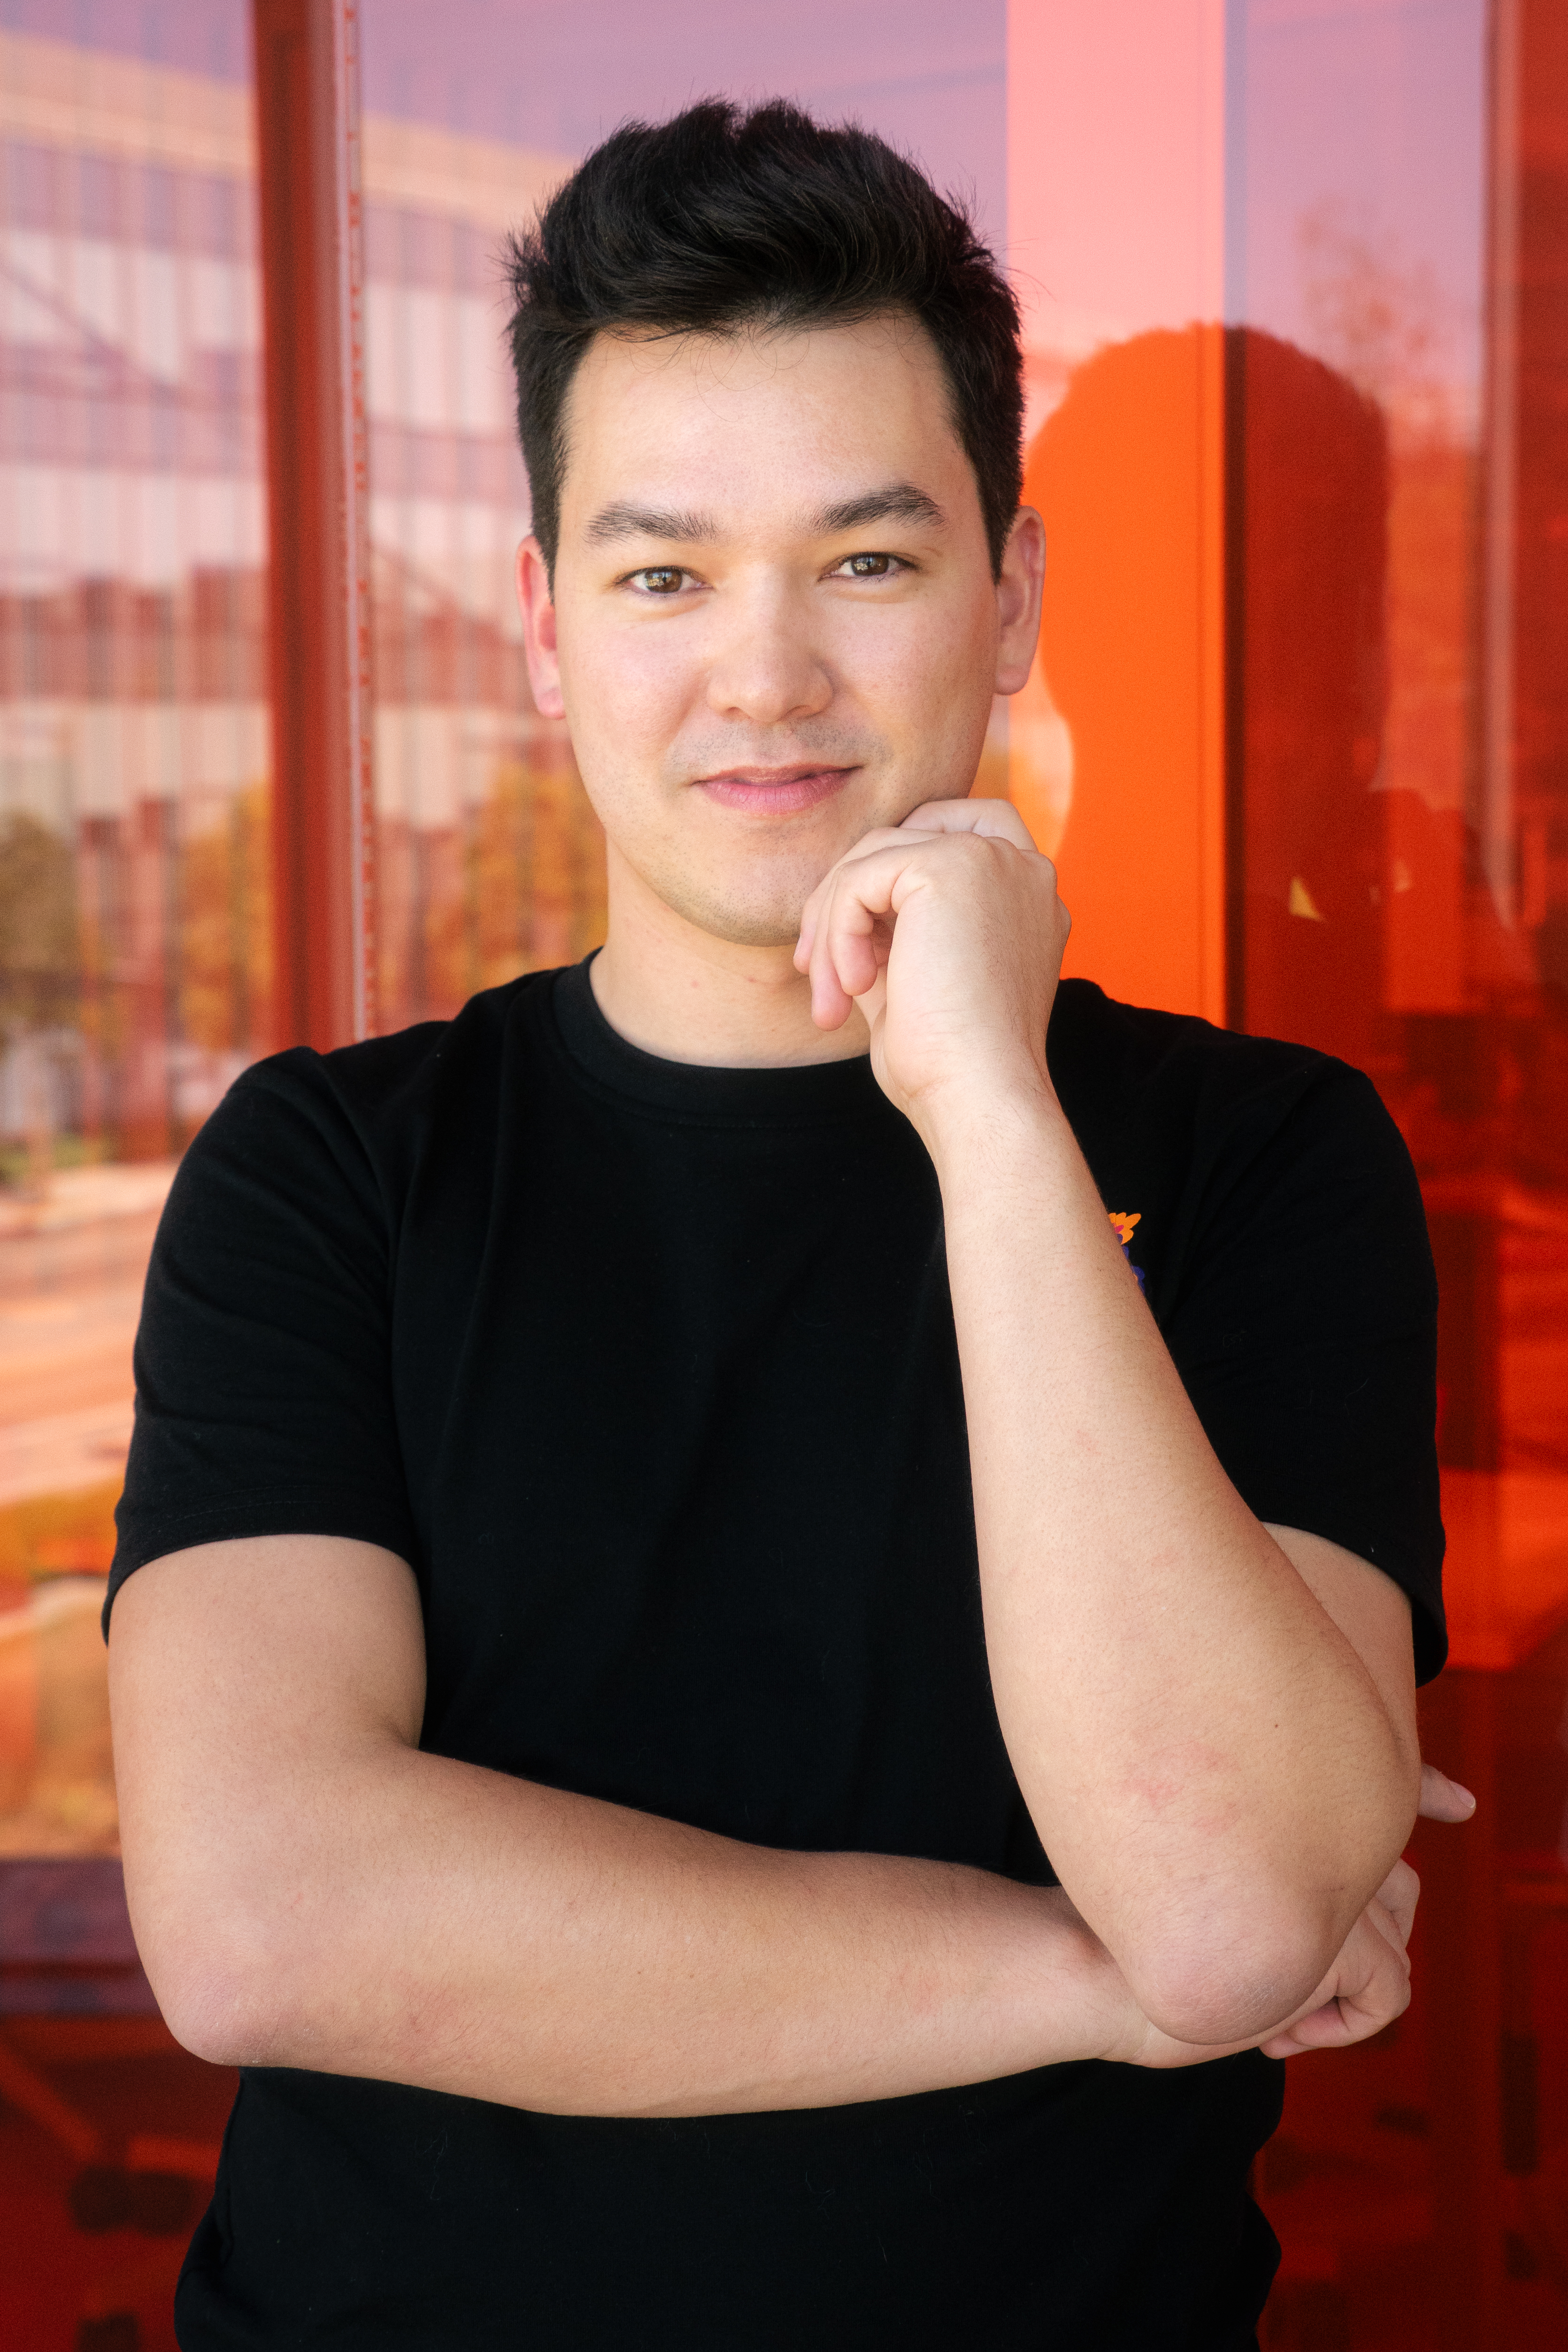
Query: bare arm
{"points": [[1217, 1775], [309, 1890], [1222, 1765]]}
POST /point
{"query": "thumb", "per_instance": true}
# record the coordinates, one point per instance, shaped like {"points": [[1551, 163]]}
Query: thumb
{"points": [[1443, 1799]]}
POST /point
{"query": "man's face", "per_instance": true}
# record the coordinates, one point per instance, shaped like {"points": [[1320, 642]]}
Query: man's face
{"points": [[775, 624]]}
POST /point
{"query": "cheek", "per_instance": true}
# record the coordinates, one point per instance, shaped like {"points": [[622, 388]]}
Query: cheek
{"points": [[627, 690], [924, 680]]}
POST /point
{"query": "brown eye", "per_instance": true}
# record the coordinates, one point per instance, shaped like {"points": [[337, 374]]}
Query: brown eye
{"points": [[660, 579], [867, 567]]}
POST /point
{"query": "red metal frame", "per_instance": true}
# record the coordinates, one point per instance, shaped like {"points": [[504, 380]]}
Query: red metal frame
{"points": [[307, 105]]}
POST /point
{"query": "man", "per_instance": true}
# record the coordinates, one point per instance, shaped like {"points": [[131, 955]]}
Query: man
{"points": [[658, 1504]]}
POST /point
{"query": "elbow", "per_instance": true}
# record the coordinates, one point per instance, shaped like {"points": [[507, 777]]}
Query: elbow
{"points": [[218, 2014], [1241, 1955], [217, 1987], [1232, 1980]]}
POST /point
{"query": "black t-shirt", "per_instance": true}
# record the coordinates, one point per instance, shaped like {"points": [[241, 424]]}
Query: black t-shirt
{"points": [[649, 1372]]}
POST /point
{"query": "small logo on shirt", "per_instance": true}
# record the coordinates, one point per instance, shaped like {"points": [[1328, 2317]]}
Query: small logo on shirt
{"points": [[1122, 1221]]}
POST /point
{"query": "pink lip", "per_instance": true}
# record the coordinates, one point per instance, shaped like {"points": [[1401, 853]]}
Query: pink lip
{"points": [[773, 792]]}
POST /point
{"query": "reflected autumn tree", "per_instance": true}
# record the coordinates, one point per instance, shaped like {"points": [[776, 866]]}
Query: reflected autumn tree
{"points": [[225, 924], [489, 859], [39, 986]]}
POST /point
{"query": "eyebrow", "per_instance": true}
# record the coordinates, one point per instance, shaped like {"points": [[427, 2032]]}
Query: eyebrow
{"points": [[626, 520], [898, 502]]}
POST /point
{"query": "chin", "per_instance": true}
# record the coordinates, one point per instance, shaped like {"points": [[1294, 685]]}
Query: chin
{"points": [[747, 927], [760, 910]]}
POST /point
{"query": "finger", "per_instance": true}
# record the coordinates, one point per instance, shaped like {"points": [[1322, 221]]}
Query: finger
{"points": [[851, 948], [999, 819], [1323, 2029], [1399, 1894], [1443, 1799], [844, 961], [1340, 2023], [830, 1002], [810, 915], [1367, 1988], [883, 836]]}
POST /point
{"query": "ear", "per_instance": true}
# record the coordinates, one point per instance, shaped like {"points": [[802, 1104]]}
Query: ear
{"points": [[537, 607], [1018, 588]]}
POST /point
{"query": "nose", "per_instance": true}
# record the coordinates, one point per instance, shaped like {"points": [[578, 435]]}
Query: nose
{"points": [[763, 666]]}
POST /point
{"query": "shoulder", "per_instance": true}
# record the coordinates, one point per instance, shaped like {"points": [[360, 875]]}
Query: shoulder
{"points": [[384, 1090], [1273, 1216], [347, 1131], [1245, 1152], [385, 1079], [1202, 1093], [1107, 1056]]}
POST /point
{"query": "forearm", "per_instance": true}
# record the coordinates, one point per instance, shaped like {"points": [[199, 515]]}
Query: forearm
{"points": [[1209, 1764], [441, 1924]]}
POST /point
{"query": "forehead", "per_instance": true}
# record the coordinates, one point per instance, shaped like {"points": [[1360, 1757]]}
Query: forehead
{"points": [[732, 420]]}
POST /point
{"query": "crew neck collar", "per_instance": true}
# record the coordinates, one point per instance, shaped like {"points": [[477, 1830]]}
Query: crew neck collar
{"points": [[805, 1092]]}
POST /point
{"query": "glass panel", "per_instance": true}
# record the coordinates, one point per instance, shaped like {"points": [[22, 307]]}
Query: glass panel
{"points": [[133, 758], [1404, 762], [489, 858], [1354, 492], [134, 944], [1115, 238], [1397, 270], [1295, 274]]}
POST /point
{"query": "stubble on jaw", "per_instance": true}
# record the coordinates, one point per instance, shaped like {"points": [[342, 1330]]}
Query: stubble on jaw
{"points": [[773, 923]]}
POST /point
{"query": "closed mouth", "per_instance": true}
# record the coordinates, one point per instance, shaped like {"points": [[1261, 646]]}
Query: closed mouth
{"points": [[775, 791]]}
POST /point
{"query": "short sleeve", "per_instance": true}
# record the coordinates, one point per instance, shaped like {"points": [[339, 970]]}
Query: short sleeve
{"points": [[264, 1400], [1305, 1330]]}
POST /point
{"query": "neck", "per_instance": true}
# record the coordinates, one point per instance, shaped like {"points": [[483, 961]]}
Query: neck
{"points": [[674, 990]]}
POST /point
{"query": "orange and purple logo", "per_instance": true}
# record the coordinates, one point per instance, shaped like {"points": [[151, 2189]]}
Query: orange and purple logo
{"points": [[1122, 1221]]}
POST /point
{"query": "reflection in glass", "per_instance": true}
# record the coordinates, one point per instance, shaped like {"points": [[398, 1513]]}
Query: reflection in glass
{"points": [[134, 980], [134, 885], [1398, 464], [1404, 758]]}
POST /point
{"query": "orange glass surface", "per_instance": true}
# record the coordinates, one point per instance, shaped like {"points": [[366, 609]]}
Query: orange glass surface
{"points": [[1115, 239], [1127, 691]]}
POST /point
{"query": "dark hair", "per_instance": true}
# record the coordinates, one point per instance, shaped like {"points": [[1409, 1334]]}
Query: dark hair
{"points": [[720, 219]]}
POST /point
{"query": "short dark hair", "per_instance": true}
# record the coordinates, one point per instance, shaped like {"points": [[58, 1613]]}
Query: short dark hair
{"points": [[723, 219]]}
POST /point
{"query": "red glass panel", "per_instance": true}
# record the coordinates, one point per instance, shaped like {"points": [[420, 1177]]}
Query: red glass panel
{"points": [[1369, 455], [1398, 464]]}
